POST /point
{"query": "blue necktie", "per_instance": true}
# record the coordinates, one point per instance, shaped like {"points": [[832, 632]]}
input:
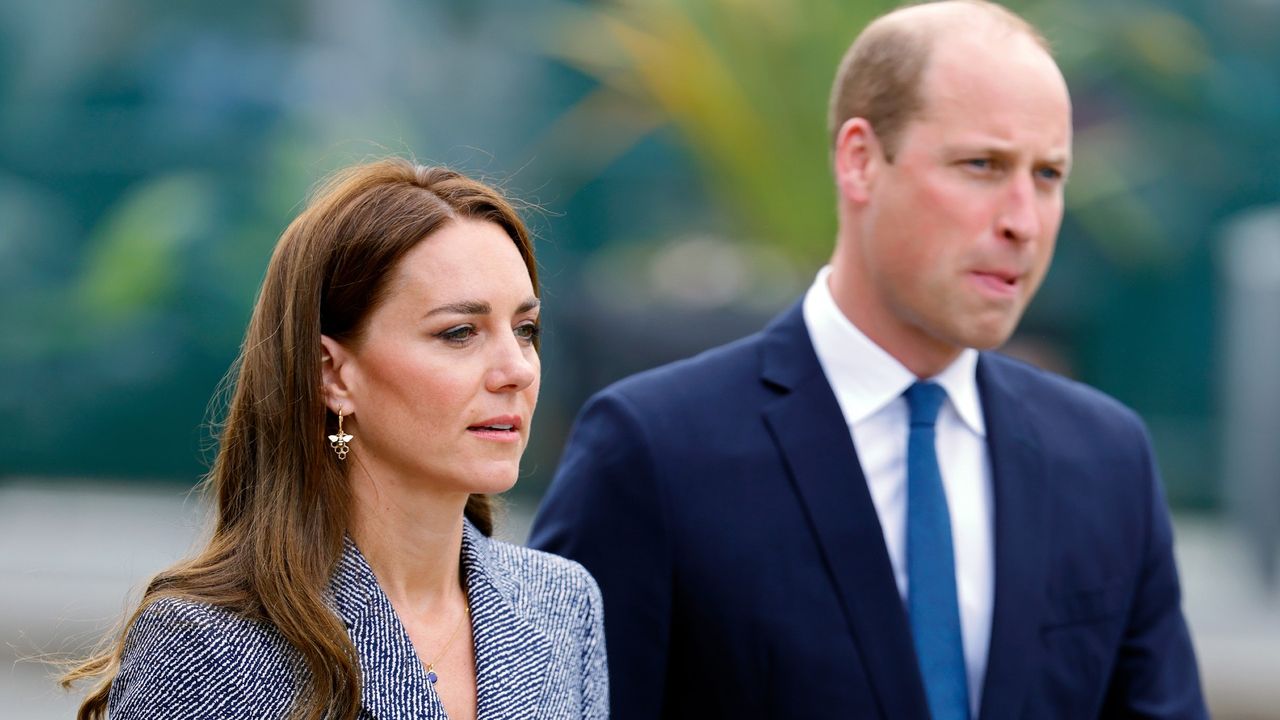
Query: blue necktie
{"points": [[931, 573]]}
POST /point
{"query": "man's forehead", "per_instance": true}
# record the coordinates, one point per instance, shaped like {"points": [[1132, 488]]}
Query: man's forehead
{"points": [[1056, 151], [987, 57], [970, 101], [968, 73]]}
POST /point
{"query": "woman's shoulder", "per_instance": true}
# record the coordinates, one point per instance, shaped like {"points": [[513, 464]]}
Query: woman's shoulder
{"points": [[180, 655], [560, 598], [555, 594], [181, 626], [541, 572], [186, 612]]}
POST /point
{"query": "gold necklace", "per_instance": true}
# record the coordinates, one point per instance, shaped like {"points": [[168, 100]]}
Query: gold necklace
{"points": [[431, 672]]}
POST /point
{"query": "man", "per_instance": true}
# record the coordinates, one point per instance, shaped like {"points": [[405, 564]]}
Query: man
{"points": [[856, 513]]}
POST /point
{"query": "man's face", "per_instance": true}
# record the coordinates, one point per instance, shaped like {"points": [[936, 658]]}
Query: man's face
{"points": [[958, 231]]}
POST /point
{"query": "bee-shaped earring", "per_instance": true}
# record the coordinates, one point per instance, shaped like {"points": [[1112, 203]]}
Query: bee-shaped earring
{"points": [[339, 441]]}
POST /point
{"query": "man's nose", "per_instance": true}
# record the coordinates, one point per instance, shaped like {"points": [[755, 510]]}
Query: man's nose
{"points": [[1019, 218]]}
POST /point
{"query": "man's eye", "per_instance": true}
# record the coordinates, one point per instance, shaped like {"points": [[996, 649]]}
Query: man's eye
{"points": [[457, 335], [979, 163], [1050, 174]]}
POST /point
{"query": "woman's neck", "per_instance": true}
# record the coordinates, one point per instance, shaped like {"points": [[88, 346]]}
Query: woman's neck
{"points": [[412, 539]]}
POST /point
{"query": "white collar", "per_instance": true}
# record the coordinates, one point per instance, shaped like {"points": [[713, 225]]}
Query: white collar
{"points": [[864, 377]]}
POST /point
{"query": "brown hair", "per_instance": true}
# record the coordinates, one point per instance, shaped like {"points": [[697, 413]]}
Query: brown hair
{"points": [[880, 75], [282, 499]]}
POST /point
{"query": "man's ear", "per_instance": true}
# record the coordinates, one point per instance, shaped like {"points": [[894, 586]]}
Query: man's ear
{"points": [[335, 373], [858, 158]]}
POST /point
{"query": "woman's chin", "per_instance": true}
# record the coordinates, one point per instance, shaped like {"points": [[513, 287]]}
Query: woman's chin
{"points": [[493, 481]]}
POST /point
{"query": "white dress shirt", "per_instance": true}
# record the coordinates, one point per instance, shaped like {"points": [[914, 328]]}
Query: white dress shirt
{"points": [[868, 383]]}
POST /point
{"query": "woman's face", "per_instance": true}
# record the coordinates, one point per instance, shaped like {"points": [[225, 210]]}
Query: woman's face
{"points": [[442, 384]]}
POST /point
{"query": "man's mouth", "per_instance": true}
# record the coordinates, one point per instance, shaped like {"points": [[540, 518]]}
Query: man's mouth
{"points": [[998, 282]]}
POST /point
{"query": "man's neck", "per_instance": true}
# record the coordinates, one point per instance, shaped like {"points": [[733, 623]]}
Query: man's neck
{"points": [[922, 354]]}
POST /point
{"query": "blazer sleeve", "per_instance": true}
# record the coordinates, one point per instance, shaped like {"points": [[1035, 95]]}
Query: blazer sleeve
{"points": [[595, 668], [604, 509], [1155, 674], [187, 661]]}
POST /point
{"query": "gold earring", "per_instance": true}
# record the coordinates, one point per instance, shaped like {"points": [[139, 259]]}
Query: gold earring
{"points": [[339, 442]]}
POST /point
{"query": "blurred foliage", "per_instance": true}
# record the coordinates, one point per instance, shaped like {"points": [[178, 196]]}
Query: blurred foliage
{"points": [[746, 84], [150, 153]]}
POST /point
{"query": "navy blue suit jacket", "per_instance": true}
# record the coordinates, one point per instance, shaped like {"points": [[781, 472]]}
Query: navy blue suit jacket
{"points": [[720, 504]]}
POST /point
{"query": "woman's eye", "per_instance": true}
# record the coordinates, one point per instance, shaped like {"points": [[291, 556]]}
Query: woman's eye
{"points": [[528, 332], [457, 335]]}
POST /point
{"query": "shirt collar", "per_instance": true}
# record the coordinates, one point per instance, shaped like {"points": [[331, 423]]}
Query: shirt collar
{"points": [[864, 377]]}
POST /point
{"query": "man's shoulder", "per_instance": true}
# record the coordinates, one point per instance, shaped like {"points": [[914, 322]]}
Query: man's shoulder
{"points": [[740, 354], [1054, 398], [713, 375]]}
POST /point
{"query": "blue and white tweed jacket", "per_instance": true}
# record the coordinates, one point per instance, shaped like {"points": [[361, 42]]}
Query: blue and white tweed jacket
{"points": [[536, 618]]}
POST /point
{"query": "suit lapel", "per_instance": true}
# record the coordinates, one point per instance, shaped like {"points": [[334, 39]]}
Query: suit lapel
{"points": [[813, 438], [393, 683], [1021, 548], [512, 655]]}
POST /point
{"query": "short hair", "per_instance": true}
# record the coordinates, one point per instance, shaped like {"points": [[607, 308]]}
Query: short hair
{"points": [[880, 76]]}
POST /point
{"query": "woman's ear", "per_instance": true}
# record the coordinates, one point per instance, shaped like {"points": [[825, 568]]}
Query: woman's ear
{"points": [[335, 372]]}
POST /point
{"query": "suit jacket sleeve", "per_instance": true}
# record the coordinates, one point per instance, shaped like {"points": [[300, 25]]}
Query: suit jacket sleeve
{"points": [[604, 509], [1155, 674]]}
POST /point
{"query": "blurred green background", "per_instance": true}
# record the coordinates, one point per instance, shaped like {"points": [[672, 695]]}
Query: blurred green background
{"points": [[151, 152]]}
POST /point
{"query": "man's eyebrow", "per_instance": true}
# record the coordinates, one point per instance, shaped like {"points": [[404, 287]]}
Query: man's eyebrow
{"points": [[1002, 150], [1063, 160], [466, 307]]}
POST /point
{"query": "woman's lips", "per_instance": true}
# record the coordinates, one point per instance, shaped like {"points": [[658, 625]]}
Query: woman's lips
{"points": [[502, 428], [498, 435]]}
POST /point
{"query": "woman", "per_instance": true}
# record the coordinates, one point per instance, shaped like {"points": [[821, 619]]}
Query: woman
{"points": [[384, 390]]}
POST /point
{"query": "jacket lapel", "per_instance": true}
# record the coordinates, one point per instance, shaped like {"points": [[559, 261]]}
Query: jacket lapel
{"points": [[393, 683], [813, 438], [1021, 549], [512, 655]]}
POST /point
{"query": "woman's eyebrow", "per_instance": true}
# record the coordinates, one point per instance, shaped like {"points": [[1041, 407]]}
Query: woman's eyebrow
{"points": [[465, 307], [479, 307]]}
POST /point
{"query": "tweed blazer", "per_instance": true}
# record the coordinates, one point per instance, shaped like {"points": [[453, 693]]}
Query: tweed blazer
{"points": [[536, 619]]}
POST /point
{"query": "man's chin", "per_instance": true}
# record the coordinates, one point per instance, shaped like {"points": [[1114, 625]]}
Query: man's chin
{"points": [[989, 337]]}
